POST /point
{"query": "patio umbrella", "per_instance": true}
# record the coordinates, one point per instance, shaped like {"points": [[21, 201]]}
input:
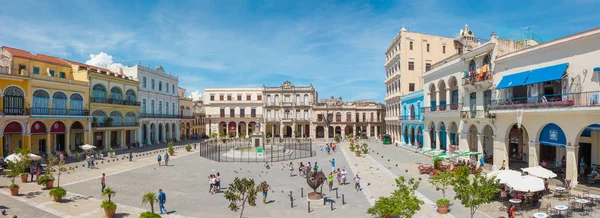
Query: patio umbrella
{"points": [[87, 147], [439, 155], [539, 172], [34, 157], [13, 158], [432, 150], [526, 184], [504, 175]]}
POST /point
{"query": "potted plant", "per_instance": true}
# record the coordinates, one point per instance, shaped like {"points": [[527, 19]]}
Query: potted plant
{"points": [[268, 140], [298, 140], [188, 147], [337, 138], [149, 198], [365, 148], [24, 177], [442, 181], [357, 151], [437, 162], [170, 149], [58, 193], [109, 207], [46, 180], [14, 189]]}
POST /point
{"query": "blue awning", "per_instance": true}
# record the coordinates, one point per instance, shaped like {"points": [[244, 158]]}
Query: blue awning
{"points": [[552, 135], [545, 74], [596, 69], [517, 79]]}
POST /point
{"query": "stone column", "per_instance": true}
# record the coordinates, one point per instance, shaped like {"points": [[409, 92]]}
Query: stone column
{"points": [[247, 125], [2, 144], [437, 101], [448, 98], [463, 143], [139, 136], [123, 132], [68, 141], [48, 144], [281, 130], [293, 130], [448, 141], [572, 164], [106, 140], [148, 133], [533, 153], [355, 133], [369, 130], [135, 134], [426, 140], [437, 140], [480, 139], [164, 130]]}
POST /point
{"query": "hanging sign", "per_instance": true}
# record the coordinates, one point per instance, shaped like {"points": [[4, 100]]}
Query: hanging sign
{"points": [[519, 117]]}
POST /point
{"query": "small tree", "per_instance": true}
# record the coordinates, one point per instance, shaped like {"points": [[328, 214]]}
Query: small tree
{"points": [[242, 191], [403, 202], [150, 198], [214, 135], [18, 167], [473, 192], [441, 182], [55, 165]]}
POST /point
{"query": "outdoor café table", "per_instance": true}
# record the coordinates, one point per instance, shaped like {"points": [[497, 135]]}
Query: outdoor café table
{"points": [[582, 202], [560, 209], [517, 203], [540, 215], [594, 197], [560, 190]]}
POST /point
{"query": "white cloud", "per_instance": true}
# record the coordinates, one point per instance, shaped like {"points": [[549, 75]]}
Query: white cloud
{"points": [[196, 95], [105, 61]]}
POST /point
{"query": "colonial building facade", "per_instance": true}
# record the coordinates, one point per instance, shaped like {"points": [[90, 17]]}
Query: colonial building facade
{"points": [[44, 108], [233, 112], [408, 56], [199, 123], [186, 112], [288, 110], [159, 114], [360, 118], [411, 120]]}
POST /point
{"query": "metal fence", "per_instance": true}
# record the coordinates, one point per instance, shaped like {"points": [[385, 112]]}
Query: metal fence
{"points": [[245, 151]]}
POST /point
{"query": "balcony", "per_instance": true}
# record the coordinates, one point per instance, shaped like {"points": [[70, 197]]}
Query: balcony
{"points": [[14, 72], [287, 104], [234, 116], [479, 81], [304, 103], [114, 101], [413, 117], [150, 115], [16, 111], [117, 124], [187, 117], [582, 99], [442, 108], [57, 112]]}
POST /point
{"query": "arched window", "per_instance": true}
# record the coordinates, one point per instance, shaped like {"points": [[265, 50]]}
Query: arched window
{"points": [[130, 97], [98, 91], [364, 117], [76, 104], [98, 118], [298, 99], [276, 99], [117, 118], [41, 102], [167, 108], [14, 101], [116, 95], [487, 60], [472, 66], [130, 119], [268, 99], [160, 86], [338, 117], [357, 117], [306, 99], [412, 112], [372, 117], [173, 108], [59, 103]]}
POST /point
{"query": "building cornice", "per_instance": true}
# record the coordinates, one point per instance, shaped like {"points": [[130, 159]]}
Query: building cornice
{"points": [[110, 78]]}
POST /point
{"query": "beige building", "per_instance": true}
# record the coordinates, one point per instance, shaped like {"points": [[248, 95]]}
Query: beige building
{"points": [[546, 104], [186, 113], [287, 110], [458, 91], [199, 113], [408, 56], [233, 112], [364, 118]]}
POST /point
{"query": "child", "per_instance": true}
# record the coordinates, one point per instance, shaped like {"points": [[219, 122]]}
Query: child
{"points": [[291, 168]]}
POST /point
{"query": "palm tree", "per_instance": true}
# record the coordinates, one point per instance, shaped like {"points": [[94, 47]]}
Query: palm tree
{"points": [[108, 192], [150, 198]]}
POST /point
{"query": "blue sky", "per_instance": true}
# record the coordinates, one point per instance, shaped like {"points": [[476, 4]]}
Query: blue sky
{"points": [[338, 46]]}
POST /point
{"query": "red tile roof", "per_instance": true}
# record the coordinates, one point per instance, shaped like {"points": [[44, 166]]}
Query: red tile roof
{"points": [[38, 57]]}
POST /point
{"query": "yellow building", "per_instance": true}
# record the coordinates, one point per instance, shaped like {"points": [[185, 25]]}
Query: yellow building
{"points": [[114, 106], [43, 105], [187, 119]]}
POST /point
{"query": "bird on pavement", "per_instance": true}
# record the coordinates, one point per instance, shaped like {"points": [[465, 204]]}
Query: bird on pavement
{"points": [[368, 184], [4, 212]]}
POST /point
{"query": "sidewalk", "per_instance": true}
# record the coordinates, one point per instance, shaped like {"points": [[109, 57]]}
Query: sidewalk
{"points": [[75, 205], [378, 181]]}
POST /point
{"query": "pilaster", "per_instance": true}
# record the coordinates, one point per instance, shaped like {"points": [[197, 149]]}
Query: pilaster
{"points": [[572, 164], [533, 153]]}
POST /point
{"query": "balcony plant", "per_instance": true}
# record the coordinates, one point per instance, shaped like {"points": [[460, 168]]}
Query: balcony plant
{"points": [[109, 207], [94, 122], [57, 193]]}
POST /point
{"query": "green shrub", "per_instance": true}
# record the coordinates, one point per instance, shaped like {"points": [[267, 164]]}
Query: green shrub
{"points": [[188, 147], [437, 162], [442, 201], [13, 186], [149, 214], [58, 192], [108, 205], [44, 179]]}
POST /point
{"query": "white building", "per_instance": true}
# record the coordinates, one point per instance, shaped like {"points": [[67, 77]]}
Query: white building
{"points": [[159, 116], [233, 111], [288, 110]]}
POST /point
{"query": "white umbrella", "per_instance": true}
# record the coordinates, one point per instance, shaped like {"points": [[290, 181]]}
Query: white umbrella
{"points": [[526, 184], [87, 147], [13, 158], [34, 157], [504, 175], [539, 172]]}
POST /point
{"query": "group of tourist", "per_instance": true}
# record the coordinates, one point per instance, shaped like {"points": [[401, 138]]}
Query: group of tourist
{"points": [[166, 159], [215, 183], [35, 169]]}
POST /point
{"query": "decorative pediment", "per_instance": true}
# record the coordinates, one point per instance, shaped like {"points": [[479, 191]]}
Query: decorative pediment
{"points": [[287, 85]]}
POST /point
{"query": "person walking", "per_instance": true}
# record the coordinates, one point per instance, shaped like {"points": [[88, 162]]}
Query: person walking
{"points": [[291, 168], [330, 180], [316, 167], [332, 161], [166, 159], [344, 174], [338, 176], [218, 182], [93, 164], [159, 159], [130, 156], [162, 199], [103, 182], [89, 161], [38, 170], [32, 170], [357, 183]]}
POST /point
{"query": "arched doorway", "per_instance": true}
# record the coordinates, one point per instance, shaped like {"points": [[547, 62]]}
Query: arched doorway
{"points": [[222, 129], [488, 143], [553, 143], [57, 131], [232, 129], [168, 130], [252, 127], [242, 129], [453, 131], [76, 136], [443, 97], [173, 130], [38, 137], [13, 138], [472, 138], [432, 136], [287, 131], [338, 130], [412, 135], [348, 130], [453, 98], [419, 136], [517, 147], [589, 142], [320, 132], [152, 133], [442, 136], [330, 132], [144, 134], [306, 128], [160, 132]]}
